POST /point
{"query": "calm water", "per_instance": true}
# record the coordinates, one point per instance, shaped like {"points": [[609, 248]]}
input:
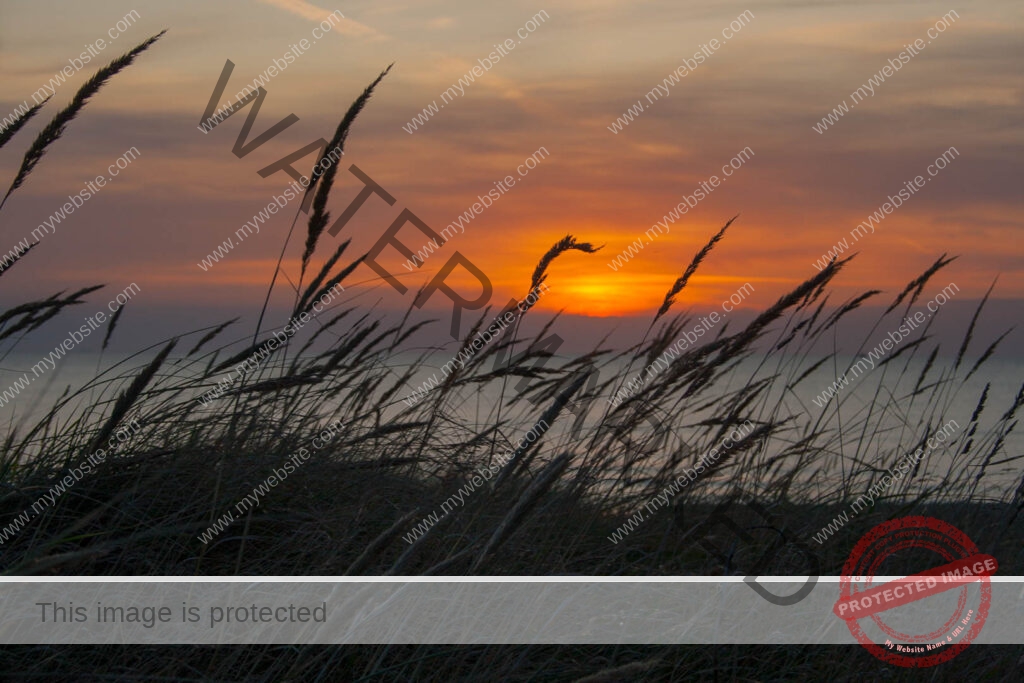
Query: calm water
{"points": [[1003, 376]]}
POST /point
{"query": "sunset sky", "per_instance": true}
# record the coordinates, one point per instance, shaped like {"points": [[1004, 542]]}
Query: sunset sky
{"points": [[560, 88]]}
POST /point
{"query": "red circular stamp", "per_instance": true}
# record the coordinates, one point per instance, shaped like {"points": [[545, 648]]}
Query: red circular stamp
{"points": [[930, 639]]}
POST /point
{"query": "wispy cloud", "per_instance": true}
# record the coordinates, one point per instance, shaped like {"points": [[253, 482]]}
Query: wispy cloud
{"points": [[440, 23], [307, 10]]}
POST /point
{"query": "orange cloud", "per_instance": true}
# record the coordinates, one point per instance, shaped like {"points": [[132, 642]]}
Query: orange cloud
{"points": [[306, 10]]}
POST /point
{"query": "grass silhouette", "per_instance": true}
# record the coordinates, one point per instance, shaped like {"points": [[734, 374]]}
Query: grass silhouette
{"points": [[554, 505]]}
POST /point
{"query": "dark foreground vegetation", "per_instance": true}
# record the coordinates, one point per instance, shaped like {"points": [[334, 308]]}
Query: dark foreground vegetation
{"points": [[349, 508], [514, 664]]}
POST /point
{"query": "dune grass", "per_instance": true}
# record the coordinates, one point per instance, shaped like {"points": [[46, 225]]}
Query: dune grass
{"points": [[347, 509], [514, 664]]}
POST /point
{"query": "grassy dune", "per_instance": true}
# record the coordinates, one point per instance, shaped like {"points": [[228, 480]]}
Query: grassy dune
{"points": [[350, 507]]}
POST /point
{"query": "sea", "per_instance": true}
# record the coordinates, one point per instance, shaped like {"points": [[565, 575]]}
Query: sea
{"points": [[882, 397]]}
